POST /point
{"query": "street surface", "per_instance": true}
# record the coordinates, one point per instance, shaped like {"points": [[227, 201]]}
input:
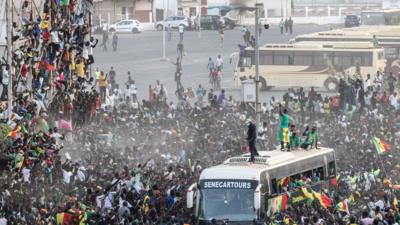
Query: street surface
{"points": [[141, 54]]}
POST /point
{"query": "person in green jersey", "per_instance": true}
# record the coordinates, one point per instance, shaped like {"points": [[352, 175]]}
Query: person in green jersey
{"points": [[375, 41], [294, 138], [311, 139], [284, 128]]}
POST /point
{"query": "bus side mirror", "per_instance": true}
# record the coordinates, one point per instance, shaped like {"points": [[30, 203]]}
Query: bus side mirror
{"points": [[266, 26], [190, 195], [257, 197]]}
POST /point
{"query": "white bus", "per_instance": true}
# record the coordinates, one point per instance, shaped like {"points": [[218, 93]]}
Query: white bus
{"points": [[381, 17], [388, 37], [311, 64], [238, 191]]}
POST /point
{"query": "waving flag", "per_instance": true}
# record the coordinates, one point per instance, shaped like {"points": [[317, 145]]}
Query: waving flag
{"points": [[65, 219], [307, 194], [85, 217], [277, 204], [284, 182], [380, 145], [324, 200], [343, 207]]}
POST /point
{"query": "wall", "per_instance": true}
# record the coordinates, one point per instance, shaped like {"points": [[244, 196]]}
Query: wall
{"points": [[112, 8], [172, 6], [390, 4], [143, 11], [192, 7]]}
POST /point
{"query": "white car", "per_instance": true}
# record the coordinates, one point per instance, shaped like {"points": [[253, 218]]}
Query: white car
{"points": [[133, 26], [173, 21]]}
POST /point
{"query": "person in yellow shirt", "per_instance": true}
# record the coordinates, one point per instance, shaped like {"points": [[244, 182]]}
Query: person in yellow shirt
{"points": [[327, 106], [80, 70], [102, 86]]}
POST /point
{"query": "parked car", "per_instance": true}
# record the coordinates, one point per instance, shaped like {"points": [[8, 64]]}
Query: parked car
{"points": [[173, 21], [214, 22], [351, 21], [133, 26]]}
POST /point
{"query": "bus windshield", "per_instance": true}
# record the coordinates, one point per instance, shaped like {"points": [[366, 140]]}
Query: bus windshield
{"points": [[373, 18], [231, 204]]}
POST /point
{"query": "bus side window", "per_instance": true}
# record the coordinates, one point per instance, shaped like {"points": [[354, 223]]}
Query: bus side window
{"points": [[318, 174], [245, 62], [291, 60], [274, 186], [331, 169], [294, 180], [366, 59]]}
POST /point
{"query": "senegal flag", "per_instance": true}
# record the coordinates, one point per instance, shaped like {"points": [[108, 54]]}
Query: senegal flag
{"points": [[85, 217], [307, 194], [277, 204], [65, 219], [324, 200], [380, 145], [343, 207], [284, 182]]}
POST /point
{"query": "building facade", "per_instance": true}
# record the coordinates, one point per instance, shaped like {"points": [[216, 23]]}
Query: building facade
{"points": [[192, 7], [110, 11], [146, 11]]}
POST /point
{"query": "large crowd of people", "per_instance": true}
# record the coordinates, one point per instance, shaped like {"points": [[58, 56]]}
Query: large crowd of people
{"points": [[81, 150], [129, 162]]}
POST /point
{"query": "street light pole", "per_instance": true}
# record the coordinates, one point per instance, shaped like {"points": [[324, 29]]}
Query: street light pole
{"points": [[163, 31], [199, 22], [9, 18], [257, 62]]}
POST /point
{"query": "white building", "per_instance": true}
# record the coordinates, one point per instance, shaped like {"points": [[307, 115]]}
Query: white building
{"points": [[3, 22], [192, 7], [169, 6]]}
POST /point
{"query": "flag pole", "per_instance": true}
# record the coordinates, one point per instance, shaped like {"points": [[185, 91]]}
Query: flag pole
{"points": [[380, 159], [383, 168]]}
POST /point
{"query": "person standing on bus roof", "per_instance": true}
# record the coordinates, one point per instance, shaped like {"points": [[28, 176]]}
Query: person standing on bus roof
{"points": [[262, 135], [251, 138], [375, 41], [284, 129]]}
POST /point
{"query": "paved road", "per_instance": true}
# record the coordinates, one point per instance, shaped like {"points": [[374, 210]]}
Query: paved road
{"points": [[141, 55]]}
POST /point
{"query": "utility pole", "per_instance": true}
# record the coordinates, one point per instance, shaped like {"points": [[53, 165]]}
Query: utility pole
{"points": [[163, 32], [90, 37], [199, 22], [257, 62], [9, 17]]}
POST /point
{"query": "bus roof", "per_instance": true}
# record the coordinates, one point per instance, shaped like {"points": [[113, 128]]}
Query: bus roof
{"points": [[338, 45], [381, 11], [240, 168], [318, 45], [369, 30]]}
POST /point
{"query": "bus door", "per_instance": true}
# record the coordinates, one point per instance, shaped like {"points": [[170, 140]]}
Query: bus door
{"points": [[392, 54]]}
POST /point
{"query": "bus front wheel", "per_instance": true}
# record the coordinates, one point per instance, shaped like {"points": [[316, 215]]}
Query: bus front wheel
{"points": [[331, 84]]}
